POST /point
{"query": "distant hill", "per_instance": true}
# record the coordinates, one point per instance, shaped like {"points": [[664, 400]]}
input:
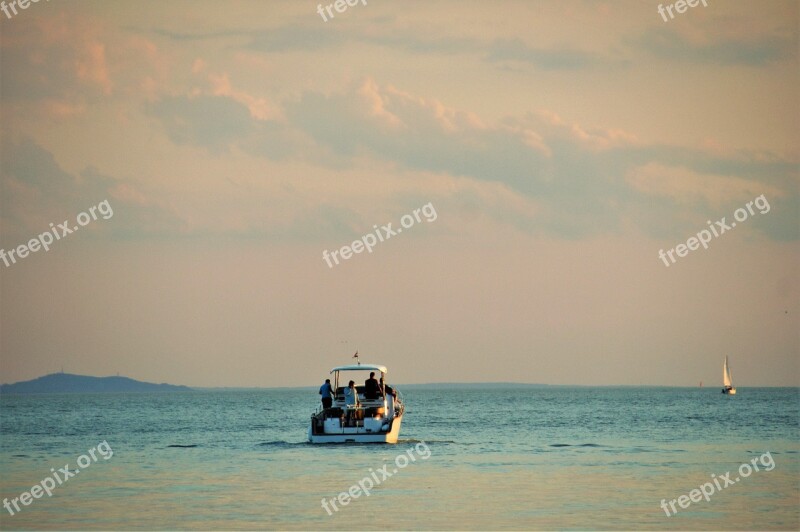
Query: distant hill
{"points": [[68, 383]]}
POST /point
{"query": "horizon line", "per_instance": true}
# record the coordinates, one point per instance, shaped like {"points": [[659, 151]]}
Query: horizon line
{"points": [[437, 383]]}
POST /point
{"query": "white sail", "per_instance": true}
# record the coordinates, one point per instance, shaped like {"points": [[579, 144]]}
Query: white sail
{"points": [[726, 374]]}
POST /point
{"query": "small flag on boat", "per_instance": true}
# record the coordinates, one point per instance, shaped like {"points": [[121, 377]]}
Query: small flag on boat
{"points": [[356, 355]]}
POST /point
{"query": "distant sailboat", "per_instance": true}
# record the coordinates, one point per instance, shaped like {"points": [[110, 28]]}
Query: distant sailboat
{"points": [[726, 379]]}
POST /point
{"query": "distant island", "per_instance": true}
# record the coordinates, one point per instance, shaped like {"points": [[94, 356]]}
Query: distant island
{"points": [[69, 383]]}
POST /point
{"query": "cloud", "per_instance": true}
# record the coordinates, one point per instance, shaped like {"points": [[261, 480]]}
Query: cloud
{"points": [[210, 121], [37, 191], [300, 38], [48, 58], [542, 58], [708, 49], [57, 67], [585, 179], [685, 185], [499, 51], [258, 107], [582, 179], [419, 134]]}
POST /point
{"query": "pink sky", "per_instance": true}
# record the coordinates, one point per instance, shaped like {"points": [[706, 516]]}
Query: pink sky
{"points": [[563, 144]]}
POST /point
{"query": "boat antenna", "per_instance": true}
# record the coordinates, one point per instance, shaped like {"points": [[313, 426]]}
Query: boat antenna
{"points": [[356, 357]]}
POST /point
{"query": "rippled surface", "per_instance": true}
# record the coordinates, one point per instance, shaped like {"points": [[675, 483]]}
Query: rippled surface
{"points": [[501, 458]]}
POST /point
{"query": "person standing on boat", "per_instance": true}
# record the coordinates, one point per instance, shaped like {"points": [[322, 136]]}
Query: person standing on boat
{"points": [[327, 394], [351, 400], [371, 387]]}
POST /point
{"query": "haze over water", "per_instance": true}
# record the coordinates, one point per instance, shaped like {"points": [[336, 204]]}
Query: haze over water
{"points": [[517, 457]]}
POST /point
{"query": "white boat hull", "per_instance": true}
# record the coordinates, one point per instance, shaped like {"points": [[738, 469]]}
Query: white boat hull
{"points": [[357, 434]]}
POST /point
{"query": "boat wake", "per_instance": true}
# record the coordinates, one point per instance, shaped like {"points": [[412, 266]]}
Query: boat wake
{"points": [[577, 445], [276, 442], [412, 440]]}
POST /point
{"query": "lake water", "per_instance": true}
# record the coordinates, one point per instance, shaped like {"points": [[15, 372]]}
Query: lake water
{"points": [[484, 457]]}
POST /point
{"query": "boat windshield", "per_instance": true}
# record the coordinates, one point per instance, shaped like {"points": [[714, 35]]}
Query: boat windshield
{"points": [[343, 376]]}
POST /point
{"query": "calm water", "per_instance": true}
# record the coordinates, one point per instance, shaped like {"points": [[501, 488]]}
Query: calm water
{"points": [[500, 458]]}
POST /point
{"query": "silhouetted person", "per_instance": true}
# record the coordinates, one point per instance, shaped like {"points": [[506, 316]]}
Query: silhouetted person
{"points": [[327, 394], [371, 387]]}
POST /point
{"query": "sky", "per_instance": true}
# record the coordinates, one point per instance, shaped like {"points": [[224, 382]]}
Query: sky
{"points": [[564, 160]]}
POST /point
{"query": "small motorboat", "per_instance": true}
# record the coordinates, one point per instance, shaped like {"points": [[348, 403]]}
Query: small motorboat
{"points": [[374, 419]]}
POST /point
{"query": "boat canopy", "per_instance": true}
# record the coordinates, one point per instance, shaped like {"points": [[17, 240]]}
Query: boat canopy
{"points": [[357, 367]]}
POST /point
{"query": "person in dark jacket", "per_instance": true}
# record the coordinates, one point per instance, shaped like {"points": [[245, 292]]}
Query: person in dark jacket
{"points": [[371, 387], [327, 394]]}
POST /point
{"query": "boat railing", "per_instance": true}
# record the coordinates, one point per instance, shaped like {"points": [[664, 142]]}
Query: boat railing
{"points": [[400, 404], [377, 409], [379, 405]]}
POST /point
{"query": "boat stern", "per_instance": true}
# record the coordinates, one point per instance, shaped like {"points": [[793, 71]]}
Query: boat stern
{"points": [[335, 430]]}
